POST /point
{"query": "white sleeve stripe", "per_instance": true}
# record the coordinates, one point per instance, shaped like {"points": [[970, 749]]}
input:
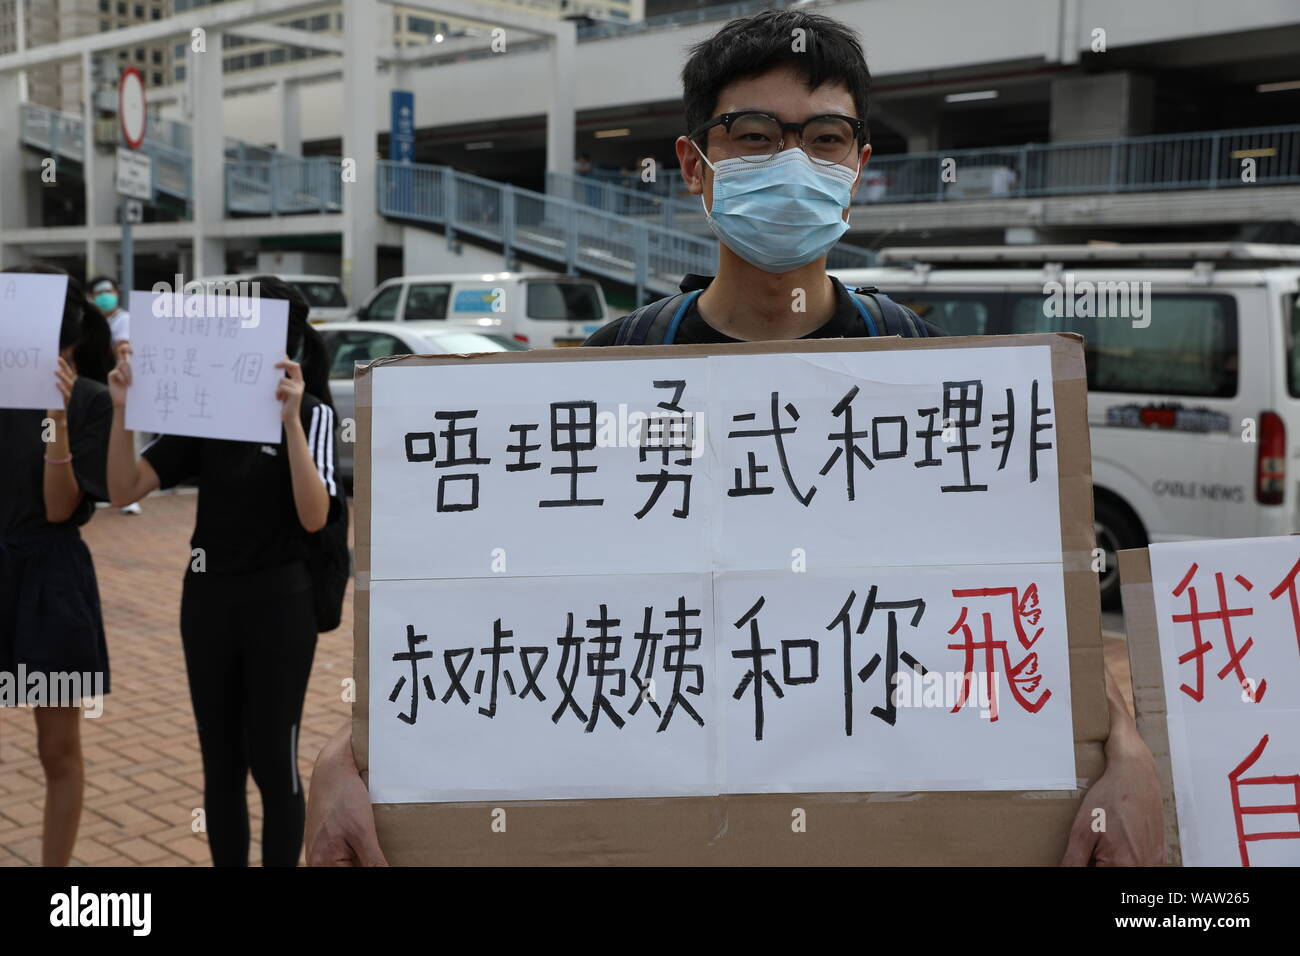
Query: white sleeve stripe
{"points": [[330, 452], [311, 431], [323, 442]]}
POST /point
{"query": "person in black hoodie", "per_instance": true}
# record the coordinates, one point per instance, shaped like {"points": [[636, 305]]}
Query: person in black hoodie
{"points": [[51, 624], [248, 623]]}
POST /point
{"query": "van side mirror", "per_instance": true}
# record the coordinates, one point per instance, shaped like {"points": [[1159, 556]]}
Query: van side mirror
{"points": [[361, 313]]}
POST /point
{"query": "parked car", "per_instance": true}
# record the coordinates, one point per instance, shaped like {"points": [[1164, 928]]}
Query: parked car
{"points": [[538, 309], [1194, 409], [324, 294], [352, 342]]}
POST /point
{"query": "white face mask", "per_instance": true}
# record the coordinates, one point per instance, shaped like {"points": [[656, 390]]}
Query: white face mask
{"points": [[780, 214]]}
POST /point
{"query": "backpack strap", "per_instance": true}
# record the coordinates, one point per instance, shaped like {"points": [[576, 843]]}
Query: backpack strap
{"points": [[893, 318], [655, 323]]}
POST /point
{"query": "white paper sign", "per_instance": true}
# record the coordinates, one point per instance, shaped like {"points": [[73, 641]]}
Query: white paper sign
{"points": [[1228, 619], [835, 572], [31, 316], [542, 461], [204, 366]]}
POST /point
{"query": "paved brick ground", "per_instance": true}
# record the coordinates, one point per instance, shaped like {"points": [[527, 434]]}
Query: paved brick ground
{"points": [[143, 772]]}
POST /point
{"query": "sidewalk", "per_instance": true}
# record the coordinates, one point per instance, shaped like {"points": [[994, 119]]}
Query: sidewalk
{"points": [[144, 776]]}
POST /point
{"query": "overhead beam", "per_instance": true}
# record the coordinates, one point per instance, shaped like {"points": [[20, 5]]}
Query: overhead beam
{"points": [[290, 36], [208, 18], [479, 13]]}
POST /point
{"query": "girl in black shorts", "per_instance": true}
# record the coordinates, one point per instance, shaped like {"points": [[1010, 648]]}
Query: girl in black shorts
{"points": [[248, 623], [52, 648]]}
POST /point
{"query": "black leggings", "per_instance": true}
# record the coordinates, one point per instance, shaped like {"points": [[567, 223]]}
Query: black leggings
{"points": [[249, 642]]}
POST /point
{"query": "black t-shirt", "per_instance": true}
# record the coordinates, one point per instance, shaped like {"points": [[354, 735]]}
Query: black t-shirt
{"points": [[22, 477], [247, 520], [846, 322]]}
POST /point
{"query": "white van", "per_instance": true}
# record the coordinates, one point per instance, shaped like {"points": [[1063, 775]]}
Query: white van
{"points": [[324, 294], [1195, 417], [537, 309]]}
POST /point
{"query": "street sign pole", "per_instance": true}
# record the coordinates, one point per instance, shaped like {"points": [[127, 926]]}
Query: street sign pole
{"points": [[128, 249], [132, 115]]}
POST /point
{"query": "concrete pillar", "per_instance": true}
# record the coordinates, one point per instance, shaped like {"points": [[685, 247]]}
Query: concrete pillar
{"points": [[1101, 106], [360, 129], [917, 123], [290, 140], [560, 120], [208, 150], [13, 204]]}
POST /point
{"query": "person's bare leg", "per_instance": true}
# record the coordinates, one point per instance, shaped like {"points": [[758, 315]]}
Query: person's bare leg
{"points": [[58, 738]]}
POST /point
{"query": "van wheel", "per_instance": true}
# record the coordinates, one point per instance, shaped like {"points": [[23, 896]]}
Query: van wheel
{"points": [[1116, 532]]}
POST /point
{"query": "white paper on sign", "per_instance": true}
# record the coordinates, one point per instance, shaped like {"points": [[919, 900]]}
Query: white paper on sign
{"points": [[489, 717], [31, 317], [866, 547], [204, 366], [863, 684], [551, 498], [1228, 620], [904, 413]]}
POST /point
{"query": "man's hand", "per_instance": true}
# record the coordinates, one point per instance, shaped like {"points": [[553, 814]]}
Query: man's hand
{"points": [[340, 821], [1128, 794]]}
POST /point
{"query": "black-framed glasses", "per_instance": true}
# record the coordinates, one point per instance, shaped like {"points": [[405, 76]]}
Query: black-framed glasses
{"points": [[756, 136]]}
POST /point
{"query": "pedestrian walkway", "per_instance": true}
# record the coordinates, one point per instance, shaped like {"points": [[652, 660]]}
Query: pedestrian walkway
{"points": [[144, 776]]}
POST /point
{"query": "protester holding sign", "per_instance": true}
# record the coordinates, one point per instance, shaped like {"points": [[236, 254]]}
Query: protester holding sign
{"points": [[108, 300], [776, 110], [51, 627], [248, 621]]}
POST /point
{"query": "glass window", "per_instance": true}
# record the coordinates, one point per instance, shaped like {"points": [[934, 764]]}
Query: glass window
{"points": [[427, 301], [575, 301], [157, 79], [347, 348], [1292, 351], [276, 55], [180, 73], [256, 59], [1189, 347], [954, 313], [383, 308], [326, 295]]}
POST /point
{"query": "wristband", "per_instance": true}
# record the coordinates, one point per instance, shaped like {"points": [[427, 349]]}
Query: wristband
{"points": [[57, 461]]}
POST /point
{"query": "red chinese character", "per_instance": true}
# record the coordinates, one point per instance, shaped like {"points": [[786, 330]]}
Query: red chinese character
{"points": [[1292, 809], [1023, 677], [1200, 646], [1288, 585]]}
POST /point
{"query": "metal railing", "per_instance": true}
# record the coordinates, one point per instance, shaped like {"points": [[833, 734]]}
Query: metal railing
{"points": [[284, 186], [1213, 160], [649, 257]]}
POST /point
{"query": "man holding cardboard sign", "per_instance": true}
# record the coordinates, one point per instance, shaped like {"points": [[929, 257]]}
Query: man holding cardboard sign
{"points": [[941, 564]]}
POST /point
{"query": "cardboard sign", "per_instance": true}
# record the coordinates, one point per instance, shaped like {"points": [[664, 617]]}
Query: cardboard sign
{"points": [[31, 317], [1214, 640], [204, 365], [614, 588]]}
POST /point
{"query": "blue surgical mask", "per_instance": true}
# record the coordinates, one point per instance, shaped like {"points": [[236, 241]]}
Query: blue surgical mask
{"points": [[107, 301], [780, 214]]}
